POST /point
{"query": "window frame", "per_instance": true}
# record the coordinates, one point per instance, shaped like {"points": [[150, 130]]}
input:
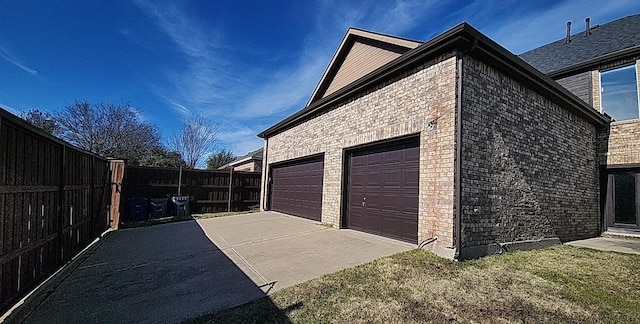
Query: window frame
{"points": [[633, 64]]}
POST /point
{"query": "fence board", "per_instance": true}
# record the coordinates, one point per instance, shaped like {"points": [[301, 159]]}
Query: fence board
{"points": [[41, 177], [208, 189]]}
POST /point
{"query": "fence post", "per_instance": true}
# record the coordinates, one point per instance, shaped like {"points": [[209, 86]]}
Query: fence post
{"points": [[230, 191], [92, 208], [179, 180], [117, 174], [61, 201]]}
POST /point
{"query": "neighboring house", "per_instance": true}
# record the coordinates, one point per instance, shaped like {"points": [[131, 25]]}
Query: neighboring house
{"points": [[455, 144], [251, 162], [601, 66]]}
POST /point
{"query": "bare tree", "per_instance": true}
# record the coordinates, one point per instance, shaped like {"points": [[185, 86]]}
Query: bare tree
{"points": [[219, 159], [114, 130], [43, 120], [195, 139]]}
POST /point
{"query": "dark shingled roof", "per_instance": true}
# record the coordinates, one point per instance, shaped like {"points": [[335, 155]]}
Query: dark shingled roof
{"points": [[605, 39]]}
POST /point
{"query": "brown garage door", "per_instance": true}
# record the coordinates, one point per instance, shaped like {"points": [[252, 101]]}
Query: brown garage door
{"points": [[383, 190], [297, 188]]}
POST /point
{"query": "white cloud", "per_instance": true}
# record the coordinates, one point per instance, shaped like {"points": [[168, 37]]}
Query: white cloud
{"points": [[9, 57], [238, 138], [204, 79], [290, 87]]}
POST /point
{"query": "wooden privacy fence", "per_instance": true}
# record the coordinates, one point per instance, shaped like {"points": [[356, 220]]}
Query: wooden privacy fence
{"points": [[53, 202], [209, 190]]}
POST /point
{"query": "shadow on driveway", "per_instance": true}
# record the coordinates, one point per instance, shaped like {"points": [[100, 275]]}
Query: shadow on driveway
{"points": [[160, 274]]}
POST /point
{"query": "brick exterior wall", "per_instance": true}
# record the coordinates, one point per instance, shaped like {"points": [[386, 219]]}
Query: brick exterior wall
{"points": [[597, 90], [528, 166], [619, 143], [398, 107]]}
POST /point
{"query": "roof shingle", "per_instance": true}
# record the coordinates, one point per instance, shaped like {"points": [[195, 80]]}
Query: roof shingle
{"points": [[605, 39]]}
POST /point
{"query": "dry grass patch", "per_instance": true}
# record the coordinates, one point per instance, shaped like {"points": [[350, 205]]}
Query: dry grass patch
{"points": [[222, 214], [559, 284]]}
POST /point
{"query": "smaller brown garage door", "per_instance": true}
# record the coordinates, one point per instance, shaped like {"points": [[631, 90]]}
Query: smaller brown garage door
{"points": [[383, 190], [297, 188]]}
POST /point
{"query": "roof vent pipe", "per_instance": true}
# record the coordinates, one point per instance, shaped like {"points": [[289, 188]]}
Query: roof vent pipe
{"points": [[587, 31], [568, 39]]}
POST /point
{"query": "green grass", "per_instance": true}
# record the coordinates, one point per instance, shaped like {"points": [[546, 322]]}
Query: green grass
{"points": [[561, 284], [174, 219]]}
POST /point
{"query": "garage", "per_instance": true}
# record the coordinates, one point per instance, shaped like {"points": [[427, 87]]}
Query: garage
{"points": [[382, 190], [296, 187]]}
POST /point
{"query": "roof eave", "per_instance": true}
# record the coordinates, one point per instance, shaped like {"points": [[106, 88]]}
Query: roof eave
{"points": [[461, 37], [524, 72], [445, 41], [590, 64]]}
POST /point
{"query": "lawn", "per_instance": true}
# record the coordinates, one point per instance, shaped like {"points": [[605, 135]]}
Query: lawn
{"points": [[561, 284]]}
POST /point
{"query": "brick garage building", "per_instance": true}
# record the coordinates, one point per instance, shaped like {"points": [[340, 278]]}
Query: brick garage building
{"points": [[455, 144]]}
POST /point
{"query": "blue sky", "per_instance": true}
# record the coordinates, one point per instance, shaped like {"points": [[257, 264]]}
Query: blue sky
{"points": [[244, 64]]}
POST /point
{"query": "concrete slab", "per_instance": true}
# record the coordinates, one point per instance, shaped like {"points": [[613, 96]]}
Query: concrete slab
{"points": [[287, 250], [168, 273], [609, 244]]}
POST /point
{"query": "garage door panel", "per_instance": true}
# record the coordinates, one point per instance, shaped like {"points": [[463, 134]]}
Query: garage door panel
{"points": [[387, 177], [297, 189]]}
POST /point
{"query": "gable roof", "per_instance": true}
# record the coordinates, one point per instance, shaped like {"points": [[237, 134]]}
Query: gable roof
{"points": [[466, 40], [607, 42], [359, 53]]}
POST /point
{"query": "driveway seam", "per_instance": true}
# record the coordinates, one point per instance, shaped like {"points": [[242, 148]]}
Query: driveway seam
{"points": [[265, 281], [273, 239]]}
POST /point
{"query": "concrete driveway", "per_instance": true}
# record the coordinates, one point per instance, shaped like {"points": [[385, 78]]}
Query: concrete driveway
{"points": [[168, 273]]}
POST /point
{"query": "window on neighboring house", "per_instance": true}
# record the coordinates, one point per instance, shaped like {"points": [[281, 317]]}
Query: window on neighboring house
{"points": [[620, 93]]}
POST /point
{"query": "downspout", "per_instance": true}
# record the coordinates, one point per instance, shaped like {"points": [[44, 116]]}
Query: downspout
{"points": [[265, 168]]}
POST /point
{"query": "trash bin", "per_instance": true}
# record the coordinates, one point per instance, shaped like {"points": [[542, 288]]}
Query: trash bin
{"points": [[181, 205], [137, 209], [158, 207]]}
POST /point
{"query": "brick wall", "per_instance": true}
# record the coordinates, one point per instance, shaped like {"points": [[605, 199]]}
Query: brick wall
{"points": [[528, 165], [396, 108], [596, 90], [619, 143]]}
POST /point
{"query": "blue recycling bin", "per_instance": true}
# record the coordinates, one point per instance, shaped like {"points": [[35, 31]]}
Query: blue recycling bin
{"points": [[137, 209]]}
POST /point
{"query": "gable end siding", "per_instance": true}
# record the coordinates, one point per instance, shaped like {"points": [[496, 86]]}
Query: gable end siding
{"points": [[362, 59], [579, 85]]}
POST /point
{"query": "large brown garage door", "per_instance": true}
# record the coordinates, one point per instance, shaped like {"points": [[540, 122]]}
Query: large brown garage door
{"points": [[297, 188], [383, 190]]}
